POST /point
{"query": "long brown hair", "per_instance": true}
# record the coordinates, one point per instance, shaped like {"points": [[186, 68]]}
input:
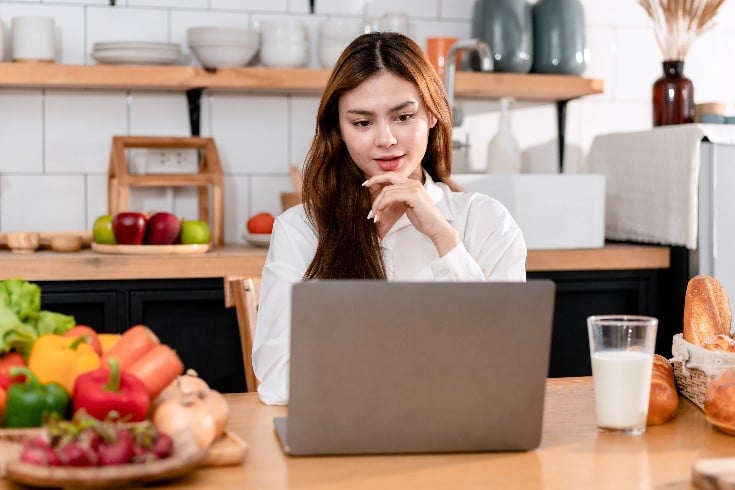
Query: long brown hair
{"points": [[335, 202]]}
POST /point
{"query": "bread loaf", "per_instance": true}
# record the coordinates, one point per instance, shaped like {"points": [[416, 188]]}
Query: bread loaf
{"points": [[719, 401], [706, 310], [663, 400], [720, 343]]}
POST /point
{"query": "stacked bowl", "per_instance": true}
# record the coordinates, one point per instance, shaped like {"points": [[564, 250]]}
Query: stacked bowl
{"points": [[285, 43], [220, 47]]}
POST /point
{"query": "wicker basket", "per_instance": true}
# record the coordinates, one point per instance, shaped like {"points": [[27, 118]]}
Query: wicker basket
{"points": [[694, 368]]}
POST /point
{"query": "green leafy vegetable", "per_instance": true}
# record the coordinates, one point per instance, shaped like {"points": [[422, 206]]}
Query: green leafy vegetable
{"points": [[21, 319]]}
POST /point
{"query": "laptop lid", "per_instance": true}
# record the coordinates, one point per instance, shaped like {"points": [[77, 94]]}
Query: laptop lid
{"points": [[402, 367]]}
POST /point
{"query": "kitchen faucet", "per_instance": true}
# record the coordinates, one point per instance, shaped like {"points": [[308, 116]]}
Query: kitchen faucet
{"points": [[461, 148], [486, 64]]}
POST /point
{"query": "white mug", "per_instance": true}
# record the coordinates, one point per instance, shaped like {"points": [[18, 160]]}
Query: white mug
{"points": [[34, 38]]}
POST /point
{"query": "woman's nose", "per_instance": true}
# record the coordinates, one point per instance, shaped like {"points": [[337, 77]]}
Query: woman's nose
{"points": [[385, 137]]}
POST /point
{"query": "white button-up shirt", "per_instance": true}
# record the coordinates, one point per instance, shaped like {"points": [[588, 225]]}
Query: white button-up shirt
{"points": [[491, 248]]}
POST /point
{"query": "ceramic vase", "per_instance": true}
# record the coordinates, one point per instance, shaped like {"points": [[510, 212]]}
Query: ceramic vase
{"points": [[673, 96], [506, 26], [559, 42]]}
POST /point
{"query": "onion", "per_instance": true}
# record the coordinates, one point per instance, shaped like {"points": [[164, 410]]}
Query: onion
{"points": [[189, 404]]}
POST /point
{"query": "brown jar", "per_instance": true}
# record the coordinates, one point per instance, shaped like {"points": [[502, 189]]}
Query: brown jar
{"points": [[673, 96]]}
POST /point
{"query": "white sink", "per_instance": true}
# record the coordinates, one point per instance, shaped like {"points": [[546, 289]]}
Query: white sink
{"points": [[553, 210]]}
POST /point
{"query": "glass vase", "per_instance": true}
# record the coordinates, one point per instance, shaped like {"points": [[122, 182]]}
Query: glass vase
{"points": [[673, 96]]}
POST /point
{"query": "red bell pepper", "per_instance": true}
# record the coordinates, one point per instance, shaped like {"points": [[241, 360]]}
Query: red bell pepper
{"points": [[104, 390], [9, 360]]}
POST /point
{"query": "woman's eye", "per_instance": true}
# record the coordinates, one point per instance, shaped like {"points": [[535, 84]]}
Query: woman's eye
{"points": [[404, 117], [361, 124]]}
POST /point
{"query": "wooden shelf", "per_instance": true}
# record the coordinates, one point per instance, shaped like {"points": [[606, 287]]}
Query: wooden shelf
{"points": [[272, 80]]}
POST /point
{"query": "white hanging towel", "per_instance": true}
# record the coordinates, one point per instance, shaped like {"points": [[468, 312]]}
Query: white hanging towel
{"points": [[653, 181]]}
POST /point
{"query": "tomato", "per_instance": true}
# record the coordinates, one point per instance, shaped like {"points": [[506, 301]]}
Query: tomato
{"points": [[261, 223], [10, 360]]}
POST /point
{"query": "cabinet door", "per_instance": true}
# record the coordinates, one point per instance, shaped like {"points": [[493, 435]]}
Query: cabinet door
{"points": [[95, 304], [197, 325], [581, 294]]}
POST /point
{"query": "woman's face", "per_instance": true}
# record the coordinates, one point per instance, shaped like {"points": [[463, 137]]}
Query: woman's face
{"points": [[385, 126]]}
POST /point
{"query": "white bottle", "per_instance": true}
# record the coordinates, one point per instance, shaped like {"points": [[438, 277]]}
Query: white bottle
{"points": [[503, 152]]}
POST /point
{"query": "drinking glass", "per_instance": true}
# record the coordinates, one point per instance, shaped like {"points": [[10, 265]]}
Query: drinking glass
{"points": [[621, 350]]}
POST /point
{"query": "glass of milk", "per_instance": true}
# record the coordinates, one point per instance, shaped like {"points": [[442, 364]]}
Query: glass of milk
{"points": [[621, 349]]}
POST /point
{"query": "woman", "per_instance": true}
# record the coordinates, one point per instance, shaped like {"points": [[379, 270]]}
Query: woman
{"points": [[378, 199]]}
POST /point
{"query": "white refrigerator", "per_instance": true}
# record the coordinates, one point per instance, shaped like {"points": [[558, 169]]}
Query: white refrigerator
{"points": [[715, 253]]}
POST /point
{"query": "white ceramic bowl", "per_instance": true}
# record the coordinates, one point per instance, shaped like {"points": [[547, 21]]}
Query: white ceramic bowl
{"points": [[222, 56], [284, 55], [283, 31], [197, 36]]}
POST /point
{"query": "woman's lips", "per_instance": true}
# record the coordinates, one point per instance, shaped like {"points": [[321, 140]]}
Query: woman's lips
{"points": [[389, 163]]}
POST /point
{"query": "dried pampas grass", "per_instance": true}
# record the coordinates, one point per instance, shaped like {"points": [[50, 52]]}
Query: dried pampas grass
{"points": [[677, 23]]}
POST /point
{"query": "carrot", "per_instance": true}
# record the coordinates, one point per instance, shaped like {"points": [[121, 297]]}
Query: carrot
{"points": [[132, 345], [157, 369]]}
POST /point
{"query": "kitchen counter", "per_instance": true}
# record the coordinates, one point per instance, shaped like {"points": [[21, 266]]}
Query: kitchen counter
{"points": [[572, 454], [45, 265]]}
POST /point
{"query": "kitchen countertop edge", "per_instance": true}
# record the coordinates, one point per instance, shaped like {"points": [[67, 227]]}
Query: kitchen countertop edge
{"points": [[230, 260]]}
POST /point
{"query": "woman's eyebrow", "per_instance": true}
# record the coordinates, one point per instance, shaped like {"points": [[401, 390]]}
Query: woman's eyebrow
{"points": [[401, 106]]}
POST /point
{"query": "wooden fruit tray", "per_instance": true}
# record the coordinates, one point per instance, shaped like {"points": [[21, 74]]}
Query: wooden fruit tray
{"points": [[229, 449], [151, 249]]}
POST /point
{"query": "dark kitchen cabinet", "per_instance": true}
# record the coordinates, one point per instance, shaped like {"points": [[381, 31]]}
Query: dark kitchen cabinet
{"points": [[187, 314], [579, 294]]}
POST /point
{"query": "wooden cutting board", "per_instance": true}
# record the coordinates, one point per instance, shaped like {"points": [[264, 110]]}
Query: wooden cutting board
{"points": [[714, 474]]}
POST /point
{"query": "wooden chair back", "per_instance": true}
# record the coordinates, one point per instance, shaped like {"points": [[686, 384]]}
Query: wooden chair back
{"points": [[242, 293]]}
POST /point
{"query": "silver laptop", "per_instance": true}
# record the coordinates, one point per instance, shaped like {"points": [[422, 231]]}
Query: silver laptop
{"points": [[401, 367]]}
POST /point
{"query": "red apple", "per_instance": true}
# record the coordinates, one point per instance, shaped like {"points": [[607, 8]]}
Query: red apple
{"points": [[129, 227], [162, 229]]}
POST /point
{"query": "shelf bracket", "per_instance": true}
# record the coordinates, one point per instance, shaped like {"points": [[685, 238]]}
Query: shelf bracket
{"points": [[561, 122], [194, 98]]}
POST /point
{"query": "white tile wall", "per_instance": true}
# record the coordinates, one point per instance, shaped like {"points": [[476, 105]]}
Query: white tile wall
{"points": [[54, 144]]}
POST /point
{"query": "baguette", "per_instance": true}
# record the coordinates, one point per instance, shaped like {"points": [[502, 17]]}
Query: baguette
{"points": [[663, 400], [706, 310]]}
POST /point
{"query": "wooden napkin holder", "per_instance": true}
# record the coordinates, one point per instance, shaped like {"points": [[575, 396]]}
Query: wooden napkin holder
{"points": [[208, 178]]}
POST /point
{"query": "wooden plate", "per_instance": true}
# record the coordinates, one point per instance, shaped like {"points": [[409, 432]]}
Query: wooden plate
{"points": [[228, 449], [187, 457], [715, 473], [151, 249]]}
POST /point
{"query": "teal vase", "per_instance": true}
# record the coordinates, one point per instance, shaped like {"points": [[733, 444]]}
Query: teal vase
{"points": [[559, 42], [506, 27]]}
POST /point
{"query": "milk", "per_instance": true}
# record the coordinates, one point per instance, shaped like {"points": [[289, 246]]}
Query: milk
{"points": [[622, 381]]}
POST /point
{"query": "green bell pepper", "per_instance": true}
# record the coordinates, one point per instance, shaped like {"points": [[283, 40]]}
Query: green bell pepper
{"points": [[30, 402]]}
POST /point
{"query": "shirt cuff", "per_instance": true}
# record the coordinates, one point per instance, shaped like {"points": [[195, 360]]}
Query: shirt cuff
{"points": [[457, 265]]}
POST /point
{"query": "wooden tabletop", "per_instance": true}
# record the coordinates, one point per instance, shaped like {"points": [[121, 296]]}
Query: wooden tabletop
{"points": [[572, 455], [46, 265]]}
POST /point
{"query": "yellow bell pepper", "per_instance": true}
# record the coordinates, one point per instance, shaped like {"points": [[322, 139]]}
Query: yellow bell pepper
{"points": [[61, 359], [108, 340]]}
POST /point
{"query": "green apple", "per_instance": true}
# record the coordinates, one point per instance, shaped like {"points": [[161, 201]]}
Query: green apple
{"points": [[102, 230], [194, 232]]}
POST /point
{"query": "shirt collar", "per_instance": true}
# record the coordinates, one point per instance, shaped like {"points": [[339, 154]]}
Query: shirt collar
{"points": [[437, 195]]}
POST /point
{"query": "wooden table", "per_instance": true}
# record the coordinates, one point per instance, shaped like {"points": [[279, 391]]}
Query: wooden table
{"points": [[572, 455]]}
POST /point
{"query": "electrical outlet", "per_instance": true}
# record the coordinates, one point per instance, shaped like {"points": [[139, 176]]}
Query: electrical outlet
{"points": [[171, 161]]}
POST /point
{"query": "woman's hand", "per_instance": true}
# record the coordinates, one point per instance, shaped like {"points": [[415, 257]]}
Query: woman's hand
{"points": [[397, 195]]}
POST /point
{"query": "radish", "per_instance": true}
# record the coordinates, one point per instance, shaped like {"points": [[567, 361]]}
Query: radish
{"points": [[163, 446], [76, 454], [120, 451]]}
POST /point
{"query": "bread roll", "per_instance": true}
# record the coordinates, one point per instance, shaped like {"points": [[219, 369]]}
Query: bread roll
{"points": [[719, 401], [706, 310], [720, 343], [663, 400]]}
